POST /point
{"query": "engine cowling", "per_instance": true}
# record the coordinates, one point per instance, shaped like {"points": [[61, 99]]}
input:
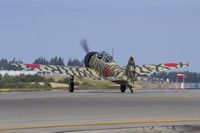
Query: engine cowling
{"points": [[87, 58]]}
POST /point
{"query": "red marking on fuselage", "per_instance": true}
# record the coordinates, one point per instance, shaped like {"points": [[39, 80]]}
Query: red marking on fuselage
{"points": [[170, 65], [32, 66], [180, 75], [106, 71]]}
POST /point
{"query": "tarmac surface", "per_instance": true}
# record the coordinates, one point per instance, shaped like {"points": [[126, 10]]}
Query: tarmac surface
{"points": [[147, 111]]}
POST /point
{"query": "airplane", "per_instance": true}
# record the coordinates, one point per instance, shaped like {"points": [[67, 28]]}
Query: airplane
{"points": [[102, 65]]}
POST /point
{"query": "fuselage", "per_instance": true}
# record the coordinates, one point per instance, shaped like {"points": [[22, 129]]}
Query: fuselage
{"points": [[105, 66], [106, 69]]}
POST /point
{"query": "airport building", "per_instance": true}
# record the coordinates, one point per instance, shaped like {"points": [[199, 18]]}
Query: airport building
{"points": [[24, 72]]}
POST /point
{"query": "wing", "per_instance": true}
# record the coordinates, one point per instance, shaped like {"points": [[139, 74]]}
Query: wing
{"points": [[67, 71], [60, 70], [145, 69]]}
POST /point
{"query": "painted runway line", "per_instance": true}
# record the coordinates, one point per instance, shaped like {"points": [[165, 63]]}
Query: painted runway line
{"points": [[97, 124]]}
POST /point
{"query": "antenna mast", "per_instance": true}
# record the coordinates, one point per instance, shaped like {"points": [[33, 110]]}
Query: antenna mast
{"points": [[113, 52]]}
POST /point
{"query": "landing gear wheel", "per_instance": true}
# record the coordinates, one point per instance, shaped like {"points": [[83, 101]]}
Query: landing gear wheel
{"points": [[131, 90], [71, 87], [71, 84], [123, 88]]}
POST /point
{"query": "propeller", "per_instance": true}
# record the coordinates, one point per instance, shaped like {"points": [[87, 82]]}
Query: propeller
{"points": [[84, 45]]}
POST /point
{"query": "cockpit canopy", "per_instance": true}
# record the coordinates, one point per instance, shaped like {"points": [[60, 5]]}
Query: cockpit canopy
{"points": [[104, 56]]}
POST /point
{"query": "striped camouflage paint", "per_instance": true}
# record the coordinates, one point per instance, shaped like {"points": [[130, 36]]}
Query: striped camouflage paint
{"points": [[108, 70], [120, 72], [145, 69], [99, 66], [76, 71]]}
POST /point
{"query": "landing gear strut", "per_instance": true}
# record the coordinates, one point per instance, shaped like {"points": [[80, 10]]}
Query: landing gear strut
{"points": [[71, 84], [131, 89], [123, 88]]}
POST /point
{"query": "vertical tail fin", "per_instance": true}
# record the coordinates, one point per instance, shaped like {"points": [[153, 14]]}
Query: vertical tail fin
{"points": [[130, 70]]}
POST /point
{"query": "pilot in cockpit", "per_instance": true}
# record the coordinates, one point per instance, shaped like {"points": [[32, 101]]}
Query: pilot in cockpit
{"points": [[104, 56]]}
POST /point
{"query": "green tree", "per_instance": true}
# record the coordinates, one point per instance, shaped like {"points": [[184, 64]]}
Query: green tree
{"points": [[75, 62], [41, 60]]}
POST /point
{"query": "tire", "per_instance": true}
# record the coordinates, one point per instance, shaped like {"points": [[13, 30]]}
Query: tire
{"points": [[123, 88], [71, 87]]}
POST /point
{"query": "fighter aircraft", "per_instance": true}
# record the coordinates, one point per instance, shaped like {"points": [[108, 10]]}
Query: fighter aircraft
{"points": [[102, 65]]}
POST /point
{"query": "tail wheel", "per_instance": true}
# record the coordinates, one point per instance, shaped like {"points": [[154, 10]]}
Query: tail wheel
{"points": [[123, 88]]}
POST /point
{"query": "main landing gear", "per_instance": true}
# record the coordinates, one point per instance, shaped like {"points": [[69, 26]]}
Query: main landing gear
{"points": [[123, 89], [71, 84]]}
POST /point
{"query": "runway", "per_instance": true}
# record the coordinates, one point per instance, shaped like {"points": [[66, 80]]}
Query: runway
{"points": [[57, 111]]}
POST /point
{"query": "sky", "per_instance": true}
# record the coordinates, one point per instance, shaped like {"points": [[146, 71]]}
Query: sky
{"points": [[152, 31]]}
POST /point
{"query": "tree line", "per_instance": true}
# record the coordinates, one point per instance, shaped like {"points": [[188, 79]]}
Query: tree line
{"points": [[58, 61], [6, 64]]}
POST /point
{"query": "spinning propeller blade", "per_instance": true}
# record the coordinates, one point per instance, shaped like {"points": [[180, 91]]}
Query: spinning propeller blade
{"points": [[84, 45]]}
